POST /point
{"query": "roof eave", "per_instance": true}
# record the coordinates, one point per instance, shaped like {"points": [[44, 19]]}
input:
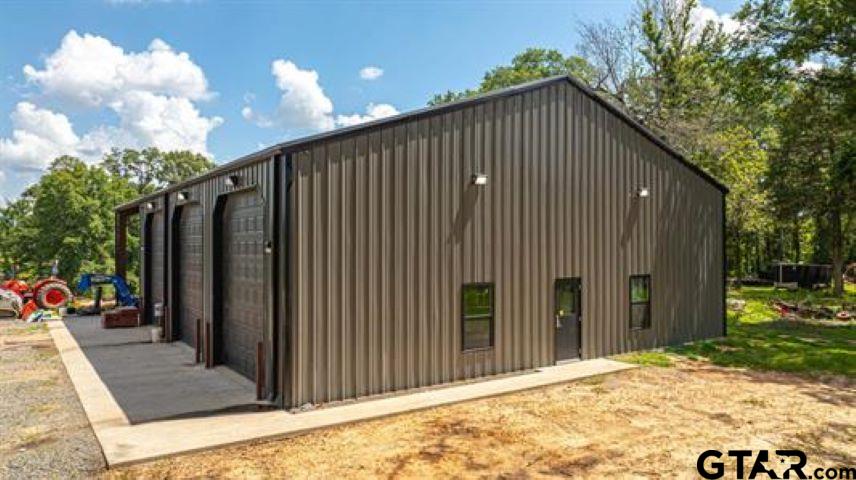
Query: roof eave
{"points": [[302, 143]]}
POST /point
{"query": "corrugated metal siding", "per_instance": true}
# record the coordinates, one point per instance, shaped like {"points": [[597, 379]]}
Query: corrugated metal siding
{"points": [[204, 195], [385, 228]]}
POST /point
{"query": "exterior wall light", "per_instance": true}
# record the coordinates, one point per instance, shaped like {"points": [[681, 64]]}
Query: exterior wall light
{"points": [[479, 179], [149, 206], [233, 180], [183, 196], [643, 192]]}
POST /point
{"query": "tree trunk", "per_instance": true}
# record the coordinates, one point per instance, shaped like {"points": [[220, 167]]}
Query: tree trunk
{"points": [[796, 233], [756, 268], [738, 259], [837, 244]]}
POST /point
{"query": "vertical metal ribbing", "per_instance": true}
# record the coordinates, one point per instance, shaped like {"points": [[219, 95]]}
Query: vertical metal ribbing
{"points": [[389, 238]]}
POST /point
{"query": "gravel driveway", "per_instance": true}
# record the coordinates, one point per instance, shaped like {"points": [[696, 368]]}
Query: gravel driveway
{"points": [[46, 433]]}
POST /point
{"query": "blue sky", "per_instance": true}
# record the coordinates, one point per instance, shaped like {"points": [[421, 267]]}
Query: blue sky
{"points": [[226, 78]]}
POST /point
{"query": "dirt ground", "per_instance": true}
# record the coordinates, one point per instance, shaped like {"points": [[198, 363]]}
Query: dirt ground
{"points": [[45, 433], [650, 422]]}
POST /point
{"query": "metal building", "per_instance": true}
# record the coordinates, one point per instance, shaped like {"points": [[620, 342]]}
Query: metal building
{"points": [[525, 227]]}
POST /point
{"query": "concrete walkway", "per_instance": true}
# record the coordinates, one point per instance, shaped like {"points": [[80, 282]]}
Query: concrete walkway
{"points": [[124, 442], [157, 381]]}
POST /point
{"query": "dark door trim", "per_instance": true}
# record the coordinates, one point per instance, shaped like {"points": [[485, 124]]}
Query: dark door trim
{"points": [[174, 331], [147, 268], [558, 317]]}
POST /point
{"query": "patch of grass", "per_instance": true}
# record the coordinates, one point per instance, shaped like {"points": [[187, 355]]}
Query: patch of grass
{"points": [[759, 339], [27, 329], [651, 358], [758, 300]]}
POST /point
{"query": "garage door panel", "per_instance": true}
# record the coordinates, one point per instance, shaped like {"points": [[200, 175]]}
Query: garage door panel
{"points": [[243, 281], [190, 273]]}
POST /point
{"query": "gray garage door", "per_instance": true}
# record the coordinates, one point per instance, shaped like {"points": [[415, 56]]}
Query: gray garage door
{"points": [[190, 272], [157, 251], [243, 281]]}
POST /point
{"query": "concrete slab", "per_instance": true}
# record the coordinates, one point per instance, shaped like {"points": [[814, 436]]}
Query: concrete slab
{"points": [[125, 443], [156, 381]]}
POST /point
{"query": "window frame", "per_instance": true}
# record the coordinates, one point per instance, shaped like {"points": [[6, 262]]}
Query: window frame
{"points": [[647, 325], [490, 316]]}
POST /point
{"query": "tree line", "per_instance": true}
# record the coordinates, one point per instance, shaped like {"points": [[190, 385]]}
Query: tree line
{"points": [[767, 108], [68, 215]]}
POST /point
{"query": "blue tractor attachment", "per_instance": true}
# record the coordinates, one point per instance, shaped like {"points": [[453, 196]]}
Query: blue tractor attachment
{"points": [[124, 298]]}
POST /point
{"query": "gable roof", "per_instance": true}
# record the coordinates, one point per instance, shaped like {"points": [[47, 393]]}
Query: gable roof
{"points": [[303, 142]]}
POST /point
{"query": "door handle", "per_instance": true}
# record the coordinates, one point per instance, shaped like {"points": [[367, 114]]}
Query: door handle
{"points": [[558, 321]]}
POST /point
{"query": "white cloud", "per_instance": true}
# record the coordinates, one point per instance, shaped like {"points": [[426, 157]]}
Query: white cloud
{"points": [[702, 15], [373, 112], [303, 106], [91, 71], [170, 123], [371, 73], [38, 136], [151, 92]]}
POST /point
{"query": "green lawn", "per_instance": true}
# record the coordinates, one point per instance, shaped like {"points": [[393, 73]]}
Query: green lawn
{"points": [[759, 339]]}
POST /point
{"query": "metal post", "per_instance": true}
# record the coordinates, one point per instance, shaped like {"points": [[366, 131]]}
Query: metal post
{"points": [[209, 355], [260, 370], [198, 341], [120, 254]]}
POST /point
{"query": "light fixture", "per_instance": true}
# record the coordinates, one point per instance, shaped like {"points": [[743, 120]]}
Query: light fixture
{"points": [[643, 192], [149, 206], [183, 196], [233, 180], [479, 179]]}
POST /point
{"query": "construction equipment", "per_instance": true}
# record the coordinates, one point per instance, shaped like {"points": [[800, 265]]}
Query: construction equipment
{"points": [[124, 297], [47, 293], [10, 304]]}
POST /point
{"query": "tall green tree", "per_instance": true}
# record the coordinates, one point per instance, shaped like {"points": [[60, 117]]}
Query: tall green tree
{"points": [[663, 68], [814, 169], [531, 64], [810, 46], [682, 96], [738, 160], [150, 169], [68, 215], [14, 232], [72, 218]]}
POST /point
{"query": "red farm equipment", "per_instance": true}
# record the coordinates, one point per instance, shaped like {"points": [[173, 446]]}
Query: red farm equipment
{"points": [[48, 293]]}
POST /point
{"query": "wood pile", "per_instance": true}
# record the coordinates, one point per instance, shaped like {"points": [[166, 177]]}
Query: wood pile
{"points": [[787, 309], [123, 317]]}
